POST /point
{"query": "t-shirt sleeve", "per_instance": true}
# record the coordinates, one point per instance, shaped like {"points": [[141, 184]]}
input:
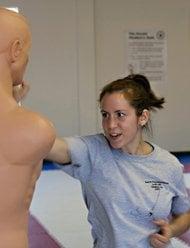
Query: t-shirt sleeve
{"points": [[181, 202], [80, 165]]}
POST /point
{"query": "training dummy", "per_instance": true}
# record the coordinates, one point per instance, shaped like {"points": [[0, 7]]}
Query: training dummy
{"points": [[26, 137]]}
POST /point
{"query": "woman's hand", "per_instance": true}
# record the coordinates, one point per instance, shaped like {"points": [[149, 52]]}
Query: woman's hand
{"points": [[20, 91], [161, 238]]}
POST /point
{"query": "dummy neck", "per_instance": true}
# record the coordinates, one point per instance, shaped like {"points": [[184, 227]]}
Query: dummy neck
{"points": [[6, 84]]}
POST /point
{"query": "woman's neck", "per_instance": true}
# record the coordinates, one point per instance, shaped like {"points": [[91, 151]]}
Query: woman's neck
{"points": [[144, 148], [139, 147]]}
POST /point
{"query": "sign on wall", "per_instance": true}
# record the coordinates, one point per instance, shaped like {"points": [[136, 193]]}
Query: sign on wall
{"points": [[147, 54]]}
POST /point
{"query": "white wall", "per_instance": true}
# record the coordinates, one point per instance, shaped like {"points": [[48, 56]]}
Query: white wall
{"points": [[61, 71], [79, 45], [112, 20]]}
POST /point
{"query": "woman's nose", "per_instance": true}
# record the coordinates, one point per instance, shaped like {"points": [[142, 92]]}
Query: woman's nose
{"points": [[112, 122]]}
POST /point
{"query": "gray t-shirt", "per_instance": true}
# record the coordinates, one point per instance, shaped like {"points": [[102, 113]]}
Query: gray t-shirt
{"points": [[124, 192]]}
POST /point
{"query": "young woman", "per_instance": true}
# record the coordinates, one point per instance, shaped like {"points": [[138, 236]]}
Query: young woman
{"points": [[133, 189]]}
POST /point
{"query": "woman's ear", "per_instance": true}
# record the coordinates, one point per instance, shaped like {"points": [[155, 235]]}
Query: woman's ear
{"points": [[144, 117], [16, 49]]}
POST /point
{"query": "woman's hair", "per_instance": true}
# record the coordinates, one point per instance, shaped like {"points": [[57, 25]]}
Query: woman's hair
{"points": [[136, 89]]}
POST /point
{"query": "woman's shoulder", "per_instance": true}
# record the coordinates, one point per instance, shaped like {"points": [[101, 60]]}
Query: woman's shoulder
{"points": [[96, 143], [95, 139], [166, 156]]}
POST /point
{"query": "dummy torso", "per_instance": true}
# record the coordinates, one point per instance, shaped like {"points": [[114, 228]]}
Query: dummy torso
{"points": [[26, 137], [25, 140]]}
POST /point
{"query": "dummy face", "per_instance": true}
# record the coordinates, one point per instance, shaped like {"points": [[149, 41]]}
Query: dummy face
{"points": [[120, 123]]}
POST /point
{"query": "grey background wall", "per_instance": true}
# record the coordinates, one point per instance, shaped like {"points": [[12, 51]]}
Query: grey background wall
{"points": [[61, 70], [113, 18], [79, 45]]}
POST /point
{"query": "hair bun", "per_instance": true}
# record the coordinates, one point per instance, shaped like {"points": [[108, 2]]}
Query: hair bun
{"points": [[142, 80]]}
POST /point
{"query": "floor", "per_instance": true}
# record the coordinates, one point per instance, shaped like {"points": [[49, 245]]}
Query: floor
{"points": [[39, 236], [58, 211], [59, 207]]}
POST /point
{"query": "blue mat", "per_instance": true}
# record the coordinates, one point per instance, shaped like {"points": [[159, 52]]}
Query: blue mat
{"points": [[49, 166], [184, 157]]}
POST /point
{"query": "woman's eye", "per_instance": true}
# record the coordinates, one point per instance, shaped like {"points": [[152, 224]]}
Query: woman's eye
{"points": [[120, 114]]}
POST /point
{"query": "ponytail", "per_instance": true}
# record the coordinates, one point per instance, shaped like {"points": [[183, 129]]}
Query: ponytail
{"points": [[152, 100], [137, 90]]}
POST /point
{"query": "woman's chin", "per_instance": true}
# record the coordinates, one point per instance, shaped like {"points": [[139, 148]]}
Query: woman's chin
{"points": [[115, 145]]}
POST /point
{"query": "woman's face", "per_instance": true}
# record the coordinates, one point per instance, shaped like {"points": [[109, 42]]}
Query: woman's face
{"points": [[120, 123]]}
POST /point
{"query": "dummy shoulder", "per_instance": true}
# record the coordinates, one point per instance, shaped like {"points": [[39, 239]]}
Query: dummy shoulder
{"points": [[31, 136], [37, 125]]}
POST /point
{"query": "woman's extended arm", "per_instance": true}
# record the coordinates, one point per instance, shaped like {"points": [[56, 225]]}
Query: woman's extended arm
{"points": [[59, 152]]}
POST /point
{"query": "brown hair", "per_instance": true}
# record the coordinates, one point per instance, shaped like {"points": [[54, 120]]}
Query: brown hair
{"points": [[136, 89]]}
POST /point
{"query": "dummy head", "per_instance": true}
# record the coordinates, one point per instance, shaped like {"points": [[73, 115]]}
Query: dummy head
{"points": [[15, 41]]}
